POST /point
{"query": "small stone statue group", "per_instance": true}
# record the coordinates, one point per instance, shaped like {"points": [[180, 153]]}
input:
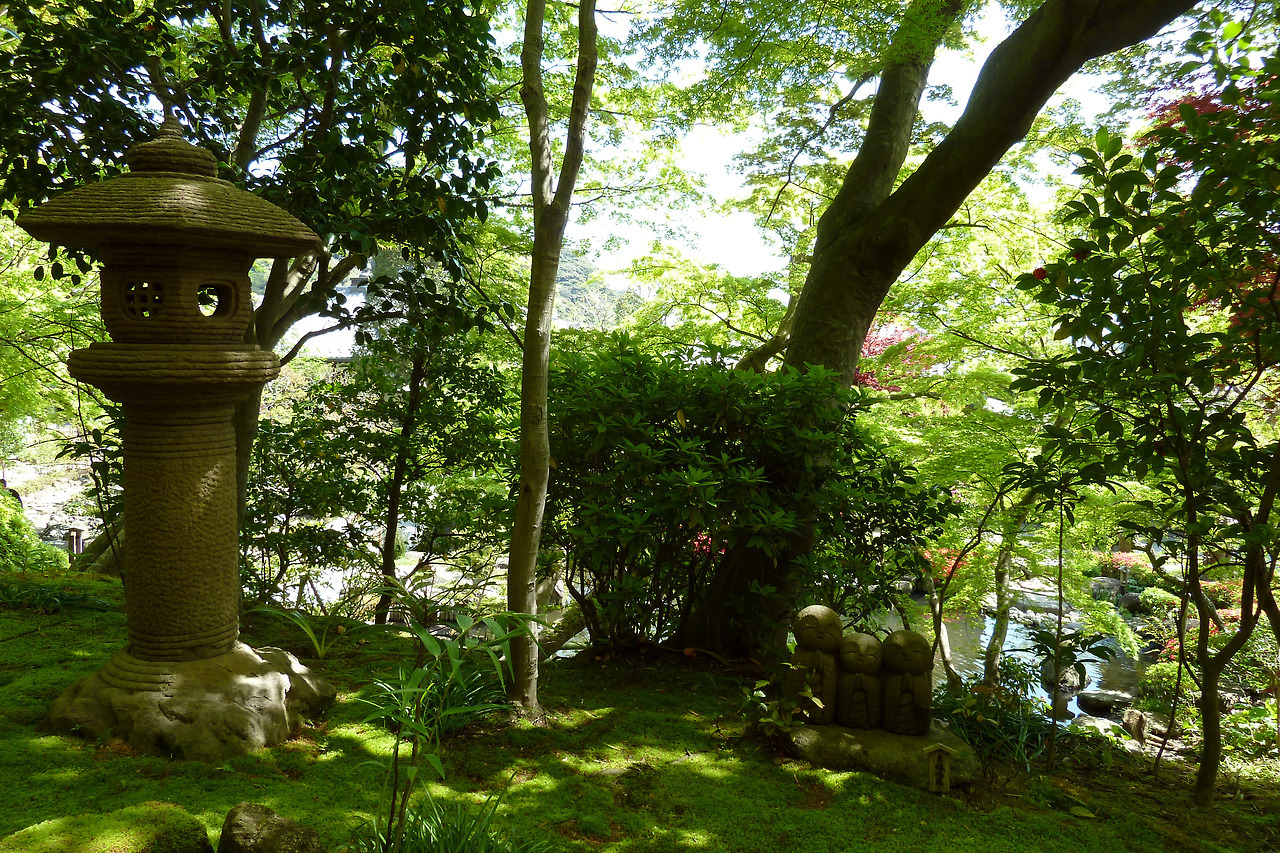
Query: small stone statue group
{"points": [[859, 681]]}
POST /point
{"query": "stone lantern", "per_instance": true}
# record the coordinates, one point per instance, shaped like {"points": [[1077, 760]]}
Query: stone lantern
{"points": [[177, 244]]}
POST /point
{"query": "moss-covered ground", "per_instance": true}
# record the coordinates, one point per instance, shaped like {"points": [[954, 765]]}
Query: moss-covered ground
{"points": [[637, 754]]}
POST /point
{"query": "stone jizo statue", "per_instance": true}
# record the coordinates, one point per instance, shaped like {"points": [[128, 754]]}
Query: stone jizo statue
{"points": [[818, 633], [908, 683], [859, 698]]}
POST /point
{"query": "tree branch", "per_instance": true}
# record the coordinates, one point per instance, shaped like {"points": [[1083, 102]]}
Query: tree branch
{"points": [[295, 307], [874, 171], [788, 179], [533, 96], [1016, 81], [579, 108]]}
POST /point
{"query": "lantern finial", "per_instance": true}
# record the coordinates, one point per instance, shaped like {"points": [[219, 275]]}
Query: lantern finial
{"points": [[169, 152]]}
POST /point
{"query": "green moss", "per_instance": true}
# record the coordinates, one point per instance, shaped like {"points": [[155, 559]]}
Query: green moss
{"points": [[646, 754], [151, 827]]}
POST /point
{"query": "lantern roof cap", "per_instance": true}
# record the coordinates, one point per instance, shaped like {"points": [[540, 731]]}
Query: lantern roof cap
{"points": [[169, 152], [169, 197]]}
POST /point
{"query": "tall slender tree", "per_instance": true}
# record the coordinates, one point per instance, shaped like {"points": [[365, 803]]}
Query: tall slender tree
{"points": [[880, 216], [551, 199]]}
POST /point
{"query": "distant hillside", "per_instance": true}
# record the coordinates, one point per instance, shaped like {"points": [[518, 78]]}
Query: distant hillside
{"points": [[584, 301]]}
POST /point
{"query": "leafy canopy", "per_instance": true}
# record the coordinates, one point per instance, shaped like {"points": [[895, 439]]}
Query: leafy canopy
{"points": [[357, 118]]}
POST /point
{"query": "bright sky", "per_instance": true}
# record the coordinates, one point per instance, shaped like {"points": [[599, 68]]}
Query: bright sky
{"points": [[732, 240]]}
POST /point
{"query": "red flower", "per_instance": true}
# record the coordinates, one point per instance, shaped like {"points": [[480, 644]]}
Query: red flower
{"points": [[1041, 273]]}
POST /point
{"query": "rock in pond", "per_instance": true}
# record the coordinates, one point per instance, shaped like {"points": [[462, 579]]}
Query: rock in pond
{"points": [[1103, 703], [1069, 681], [898, 758]]}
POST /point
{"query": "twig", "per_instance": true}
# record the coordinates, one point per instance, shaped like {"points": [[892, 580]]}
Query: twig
{"points": [[32, 631]]}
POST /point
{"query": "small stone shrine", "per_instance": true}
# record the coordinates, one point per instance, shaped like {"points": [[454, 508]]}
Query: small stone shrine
{"points": [[881, 696], [177, 244]]}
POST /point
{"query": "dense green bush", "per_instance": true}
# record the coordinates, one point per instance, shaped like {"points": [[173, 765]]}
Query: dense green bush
{"points": [[665, 463], [20, 548], [1252, 732], [1159, 602], [1004, 723]]}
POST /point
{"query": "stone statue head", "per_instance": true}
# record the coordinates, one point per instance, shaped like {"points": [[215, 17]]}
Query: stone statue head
{"points": [[860, 653], [907, 652], [818, 628]]}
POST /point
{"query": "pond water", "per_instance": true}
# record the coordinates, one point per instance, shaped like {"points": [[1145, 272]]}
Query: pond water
{"points": [[969, 636]]}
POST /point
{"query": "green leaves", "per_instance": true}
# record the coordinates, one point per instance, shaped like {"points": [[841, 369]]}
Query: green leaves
{"points": [[349, 125], [1166, 297], [668, 466]]}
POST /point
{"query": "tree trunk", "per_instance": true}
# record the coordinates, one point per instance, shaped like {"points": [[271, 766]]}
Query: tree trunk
{"points": [[954, 681], [748, 602], [871, 231], [572, 622], [999, 619], [1004, 562], [1212, 665], [551, 216], [396, 486]]}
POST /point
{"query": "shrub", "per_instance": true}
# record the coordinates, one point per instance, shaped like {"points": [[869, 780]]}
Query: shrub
{"points": [[1157, 685], [1252, 732], [1223, 593], [1113, 564], [20, 548], [665, 464], [1004, 723], [1158, 602]]}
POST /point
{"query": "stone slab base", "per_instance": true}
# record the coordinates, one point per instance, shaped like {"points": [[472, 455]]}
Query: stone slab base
{"points": [[206, 710], [899, 758]]}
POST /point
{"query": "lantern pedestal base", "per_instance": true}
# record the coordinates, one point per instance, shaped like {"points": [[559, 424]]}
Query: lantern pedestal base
{"points": [[206, 710]]}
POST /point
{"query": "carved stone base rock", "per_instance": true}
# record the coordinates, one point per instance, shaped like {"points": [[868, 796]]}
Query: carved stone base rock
{"points": [[206, 710], [253, 828], [899, 758]]}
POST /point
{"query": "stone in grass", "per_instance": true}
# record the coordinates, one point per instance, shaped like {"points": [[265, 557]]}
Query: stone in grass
{"points": [[899, 758], [1107, 728], [252, 828], [145, 828]]}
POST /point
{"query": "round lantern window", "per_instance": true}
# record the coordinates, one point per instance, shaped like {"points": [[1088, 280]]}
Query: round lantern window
{"points": [[216, 298]]}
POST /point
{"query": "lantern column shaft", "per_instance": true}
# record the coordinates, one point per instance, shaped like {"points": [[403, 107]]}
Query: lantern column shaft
{"points": [[182, 586]]}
